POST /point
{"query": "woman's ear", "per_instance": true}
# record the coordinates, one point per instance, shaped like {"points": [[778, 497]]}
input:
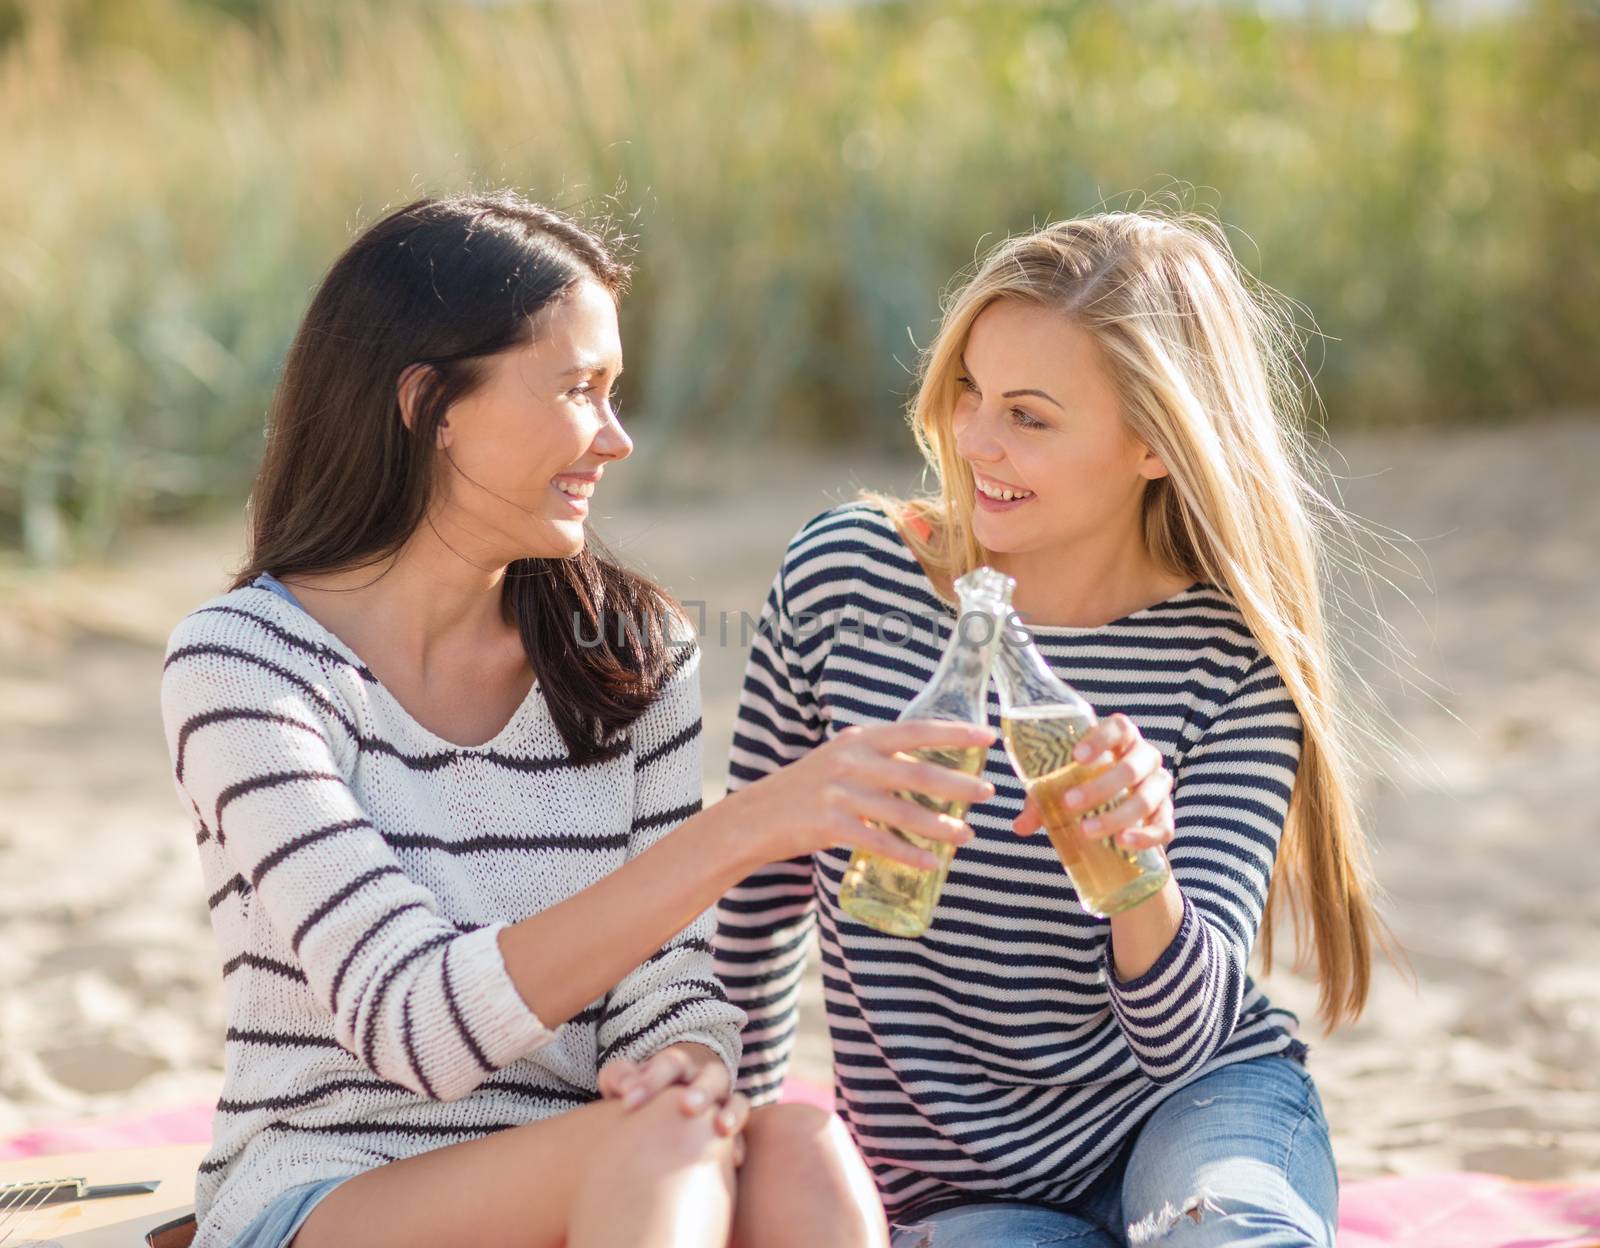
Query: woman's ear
{"points": [[1152, 467], [410, 391]]}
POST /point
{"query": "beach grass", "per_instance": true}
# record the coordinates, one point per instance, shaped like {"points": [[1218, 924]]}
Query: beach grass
{"points": [[802, 183]]}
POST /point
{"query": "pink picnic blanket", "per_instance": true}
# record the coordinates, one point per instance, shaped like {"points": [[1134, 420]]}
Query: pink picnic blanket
{"points": [[188, 1124], [1464, 1210], [1454, 1210]]}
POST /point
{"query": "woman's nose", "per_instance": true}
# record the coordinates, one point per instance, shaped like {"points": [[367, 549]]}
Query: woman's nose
{"points": [[612, 442], [973, 441]]}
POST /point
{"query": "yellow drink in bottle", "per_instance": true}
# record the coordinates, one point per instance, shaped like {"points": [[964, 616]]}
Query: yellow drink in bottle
{"points": [[889, 895]]}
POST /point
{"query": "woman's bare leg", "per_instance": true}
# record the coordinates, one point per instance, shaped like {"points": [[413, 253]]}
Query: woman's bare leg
{"points": [[657, 1180], [590, 1178], [803, 1184]]}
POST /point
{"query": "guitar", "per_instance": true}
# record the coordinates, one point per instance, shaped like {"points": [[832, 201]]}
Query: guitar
{"points": [[98, 1200]]}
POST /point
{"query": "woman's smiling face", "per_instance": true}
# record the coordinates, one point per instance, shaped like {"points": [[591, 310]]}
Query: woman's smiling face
{"points": [[1038, 422], [529, 445]]}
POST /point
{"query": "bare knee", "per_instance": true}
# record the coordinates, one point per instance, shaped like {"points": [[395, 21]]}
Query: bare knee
{"points": [[800, 1134], [802, 1171], [659, 1138], [656, 1176]]}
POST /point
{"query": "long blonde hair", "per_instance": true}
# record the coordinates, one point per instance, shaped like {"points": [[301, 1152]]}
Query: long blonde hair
{"points": [[1203, 359]]}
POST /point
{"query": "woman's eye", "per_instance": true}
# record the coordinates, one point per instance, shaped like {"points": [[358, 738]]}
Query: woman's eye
{"points": [[1024, 421], [587, 391], [967, 384]]}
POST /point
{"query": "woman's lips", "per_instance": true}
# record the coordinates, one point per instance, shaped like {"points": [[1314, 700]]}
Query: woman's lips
{"points": [[986, 503], [575, 490]]}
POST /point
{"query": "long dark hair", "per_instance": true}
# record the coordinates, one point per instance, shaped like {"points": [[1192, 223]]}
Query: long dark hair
{"points": [[345, 482]]}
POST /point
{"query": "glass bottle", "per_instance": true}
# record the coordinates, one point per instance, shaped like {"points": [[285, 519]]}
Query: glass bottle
{"points": [[1041, 719], [889, 895]]}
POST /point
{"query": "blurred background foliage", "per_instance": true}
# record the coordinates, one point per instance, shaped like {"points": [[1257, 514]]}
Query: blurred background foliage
{"points": [[803, 180]]}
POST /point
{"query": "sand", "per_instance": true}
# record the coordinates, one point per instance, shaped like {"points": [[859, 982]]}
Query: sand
{"points": [[1488, 843]]}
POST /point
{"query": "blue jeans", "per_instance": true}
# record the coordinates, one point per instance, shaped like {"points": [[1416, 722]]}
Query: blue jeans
{"points": [[1240, 1157]]}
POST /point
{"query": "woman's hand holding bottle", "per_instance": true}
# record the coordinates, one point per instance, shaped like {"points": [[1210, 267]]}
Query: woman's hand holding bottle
{"points": [[1135, 779], [846, 792]]}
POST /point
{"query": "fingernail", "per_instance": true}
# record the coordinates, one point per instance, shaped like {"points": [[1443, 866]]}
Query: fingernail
{"points": [[633, 1099], [694, 1100], [1081, 753], [1074, 797], [725, 1121], [1125, 839], [1091, 825]]}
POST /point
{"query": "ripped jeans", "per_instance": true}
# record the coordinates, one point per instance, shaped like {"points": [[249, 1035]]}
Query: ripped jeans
{"points": [[1240, 1156]]}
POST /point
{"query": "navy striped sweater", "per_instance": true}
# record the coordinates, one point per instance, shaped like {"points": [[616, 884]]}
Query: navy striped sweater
{"points": [[360, 869], [998, 1057]]}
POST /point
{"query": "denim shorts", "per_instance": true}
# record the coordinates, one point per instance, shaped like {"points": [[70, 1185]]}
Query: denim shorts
{"points": [[282, 1219]]}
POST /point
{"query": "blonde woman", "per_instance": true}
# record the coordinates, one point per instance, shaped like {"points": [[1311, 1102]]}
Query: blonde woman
{"points": [[1107, 413]]}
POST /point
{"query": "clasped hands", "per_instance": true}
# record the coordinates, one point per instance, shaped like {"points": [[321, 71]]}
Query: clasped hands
{"points": [[692, 1073]]}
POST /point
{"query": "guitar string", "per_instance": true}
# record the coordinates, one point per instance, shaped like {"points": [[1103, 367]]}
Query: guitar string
{"points": [[14, 1194], [22, 1207]]}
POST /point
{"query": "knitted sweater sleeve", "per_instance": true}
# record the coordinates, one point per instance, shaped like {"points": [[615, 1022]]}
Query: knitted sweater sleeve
{"points": [[674, 996], [1230, 800], [262, 749]]}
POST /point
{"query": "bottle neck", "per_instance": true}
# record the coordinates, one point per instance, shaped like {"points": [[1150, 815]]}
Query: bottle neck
{"points": [[1025, 679], [960, 683], [977, 635]]}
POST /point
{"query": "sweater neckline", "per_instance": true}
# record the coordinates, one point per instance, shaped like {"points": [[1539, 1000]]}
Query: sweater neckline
{"points": [[334, 642], [1044, 631]]}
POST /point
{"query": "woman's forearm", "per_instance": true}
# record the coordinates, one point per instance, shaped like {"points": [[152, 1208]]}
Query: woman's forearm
{"points": [[563, 958], [841, 793], [1141, 935]]}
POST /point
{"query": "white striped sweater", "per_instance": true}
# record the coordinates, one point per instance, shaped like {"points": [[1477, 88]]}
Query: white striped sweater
{"points": [[359, 869], [998, 1057]]}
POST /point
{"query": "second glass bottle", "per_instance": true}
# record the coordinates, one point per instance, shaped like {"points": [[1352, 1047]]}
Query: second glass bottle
{"points": [[1041, 719]]}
